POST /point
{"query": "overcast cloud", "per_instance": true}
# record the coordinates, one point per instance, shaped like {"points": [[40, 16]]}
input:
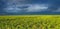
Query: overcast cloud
{"points": [[22, 6]]}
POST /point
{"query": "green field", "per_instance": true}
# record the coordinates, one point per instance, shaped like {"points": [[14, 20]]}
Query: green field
{"points": [[30, 22]]}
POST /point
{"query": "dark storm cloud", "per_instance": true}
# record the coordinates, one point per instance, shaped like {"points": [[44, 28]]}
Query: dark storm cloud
{"points": [[15, 6], [54, 5], [2, 6], [25, 6]]}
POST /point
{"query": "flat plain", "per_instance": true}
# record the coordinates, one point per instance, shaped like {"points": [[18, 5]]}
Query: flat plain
{"points": [[30, 22]]}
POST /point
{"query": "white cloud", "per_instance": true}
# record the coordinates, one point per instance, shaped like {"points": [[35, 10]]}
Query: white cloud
{"points": [[12, 6], [12, 9], [30, 8], [37, 7]]}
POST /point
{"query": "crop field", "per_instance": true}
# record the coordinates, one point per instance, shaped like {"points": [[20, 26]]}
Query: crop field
{"points": [[30, 22]]}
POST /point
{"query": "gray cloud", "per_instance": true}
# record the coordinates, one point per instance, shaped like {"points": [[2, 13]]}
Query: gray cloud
{"points": [[15, 6], [37, 8], [54, 5], [22, 6]]}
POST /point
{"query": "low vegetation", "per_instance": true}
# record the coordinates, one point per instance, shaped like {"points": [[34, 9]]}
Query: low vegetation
{"points": [[30, 22]]}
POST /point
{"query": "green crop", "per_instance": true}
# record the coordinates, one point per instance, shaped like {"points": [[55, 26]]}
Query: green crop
{"points": [[30, 22]]}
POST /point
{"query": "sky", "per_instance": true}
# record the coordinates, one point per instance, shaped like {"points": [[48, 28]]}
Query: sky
{"points": [[29, 7]]}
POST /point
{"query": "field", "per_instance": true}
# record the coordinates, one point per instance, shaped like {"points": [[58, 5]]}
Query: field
{"points": [[30, 22]]}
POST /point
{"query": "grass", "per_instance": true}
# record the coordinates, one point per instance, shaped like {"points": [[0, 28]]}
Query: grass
{"points": [[30, 22]]}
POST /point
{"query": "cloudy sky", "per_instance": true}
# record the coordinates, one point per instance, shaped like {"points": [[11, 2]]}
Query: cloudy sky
{"points": [[29, 6]]}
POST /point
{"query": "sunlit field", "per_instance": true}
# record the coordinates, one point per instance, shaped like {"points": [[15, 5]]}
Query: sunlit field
{"points": [[30, 22]]}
